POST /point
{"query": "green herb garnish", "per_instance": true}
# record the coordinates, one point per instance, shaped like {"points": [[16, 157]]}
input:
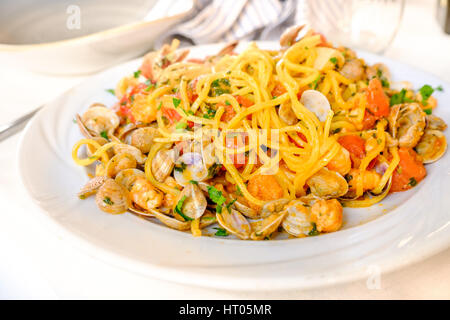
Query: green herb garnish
{"points": [[221, 232], [176, 102], [314, 231], [426, 91], [412, 182], [137, 74], [104, 134], [108, 201], [111, 91]]}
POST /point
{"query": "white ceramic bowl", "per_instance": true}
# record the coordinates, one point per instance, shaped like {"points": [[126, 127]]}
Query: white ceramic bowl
{"points": [[61, 37]]}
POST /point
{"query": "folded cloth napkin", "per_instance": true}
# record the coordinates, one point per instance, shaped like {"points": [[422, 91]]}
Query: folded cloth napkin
{"points": [[218, 20]]}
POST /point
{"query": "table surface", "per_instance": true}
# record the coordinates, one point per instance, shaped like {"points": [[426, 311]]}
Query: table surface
{"points": [[35, 263]]}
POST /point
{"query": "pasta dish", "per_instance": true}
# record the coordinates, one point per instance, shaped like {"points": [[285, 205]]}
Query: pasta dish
{"points": [[257, 143]]}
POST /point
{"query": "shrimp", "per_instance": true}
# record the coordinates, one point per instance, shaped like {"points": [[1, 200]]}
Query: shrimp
{"points": [[170, 199], [370, 179], [341, 162], [327, 215], [145, 195], [264, 187]]}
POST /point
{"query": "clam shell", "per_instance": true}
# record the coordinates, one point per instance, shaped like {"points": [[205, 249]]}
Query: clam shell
{"points": [[235, 223], [112, 198]]}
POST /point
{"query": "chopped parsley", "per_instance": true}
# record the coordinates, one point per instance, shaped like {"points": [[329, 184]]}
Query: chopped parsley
{"points": [[315, 83], [238, 191], [160, 105], [176, 102], [228, 206], [108, 201], [439, 88], [193, 182], [334, 60], [314, 231], [137, 74], [337, 130], [213, 170], [428, 111], [181, 125], [104, 134], [426, 91], [216, 196], [227, 103], [181, 167], [412, 182], [111, 91], [221, 232], [178, 209], [210, 113], [399, 98]]}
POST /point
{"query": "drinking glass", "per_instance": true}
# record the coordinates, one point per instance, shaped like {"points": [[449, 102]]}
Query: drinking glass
{"points": [[366, 24]]}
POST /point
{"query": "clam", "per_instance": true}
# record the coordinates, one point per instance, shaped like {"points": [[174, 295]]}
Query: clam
{"points": [[273, 207], [126, 148], [290, 35], [191, 203], [353, 70], [207, 219], [190, 166], [432, 146], [235, 223], [297, 221], [378, 70], [317, 103], [165, 219], [246, 211], [407, 123], [112, 198], [91, 186], [264, 228], [327, 184], [142, 138], [435, 123], [127, 177], [118, 163], [99, 120], [162, 164], [287, 114]]}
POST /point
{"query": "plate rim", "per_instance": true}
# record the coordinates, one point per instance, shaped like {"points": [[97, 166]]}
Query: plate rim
{"points": [[165, 272]]}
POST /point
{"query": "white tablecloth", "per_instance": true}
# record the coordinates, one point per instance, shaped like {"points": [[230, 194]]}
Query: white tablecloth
{"points": [[35, 263]]}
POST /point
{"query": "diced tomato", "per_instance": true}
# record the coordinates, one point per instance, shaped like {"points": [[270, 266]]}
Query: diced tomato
{"points": [[368, 120], [278, 90], [229, 112], [171, 114], [243, 101], [192, 96], [409, 171], [190, 124], [354, 144], [377, 101]]}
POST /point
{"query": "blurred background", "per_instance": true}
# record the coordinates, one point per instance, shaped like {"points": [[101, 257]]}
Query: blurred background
{"points": [[47, 47]]}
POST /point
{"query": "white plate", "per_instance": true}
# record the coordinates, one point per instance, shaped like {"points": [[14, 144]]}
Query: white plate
{"points": [[403, 229]]}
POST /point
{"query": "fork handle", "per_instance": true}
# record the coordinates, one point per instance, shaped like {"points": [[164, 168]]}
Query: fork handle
{"points": [[10, 129]]}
